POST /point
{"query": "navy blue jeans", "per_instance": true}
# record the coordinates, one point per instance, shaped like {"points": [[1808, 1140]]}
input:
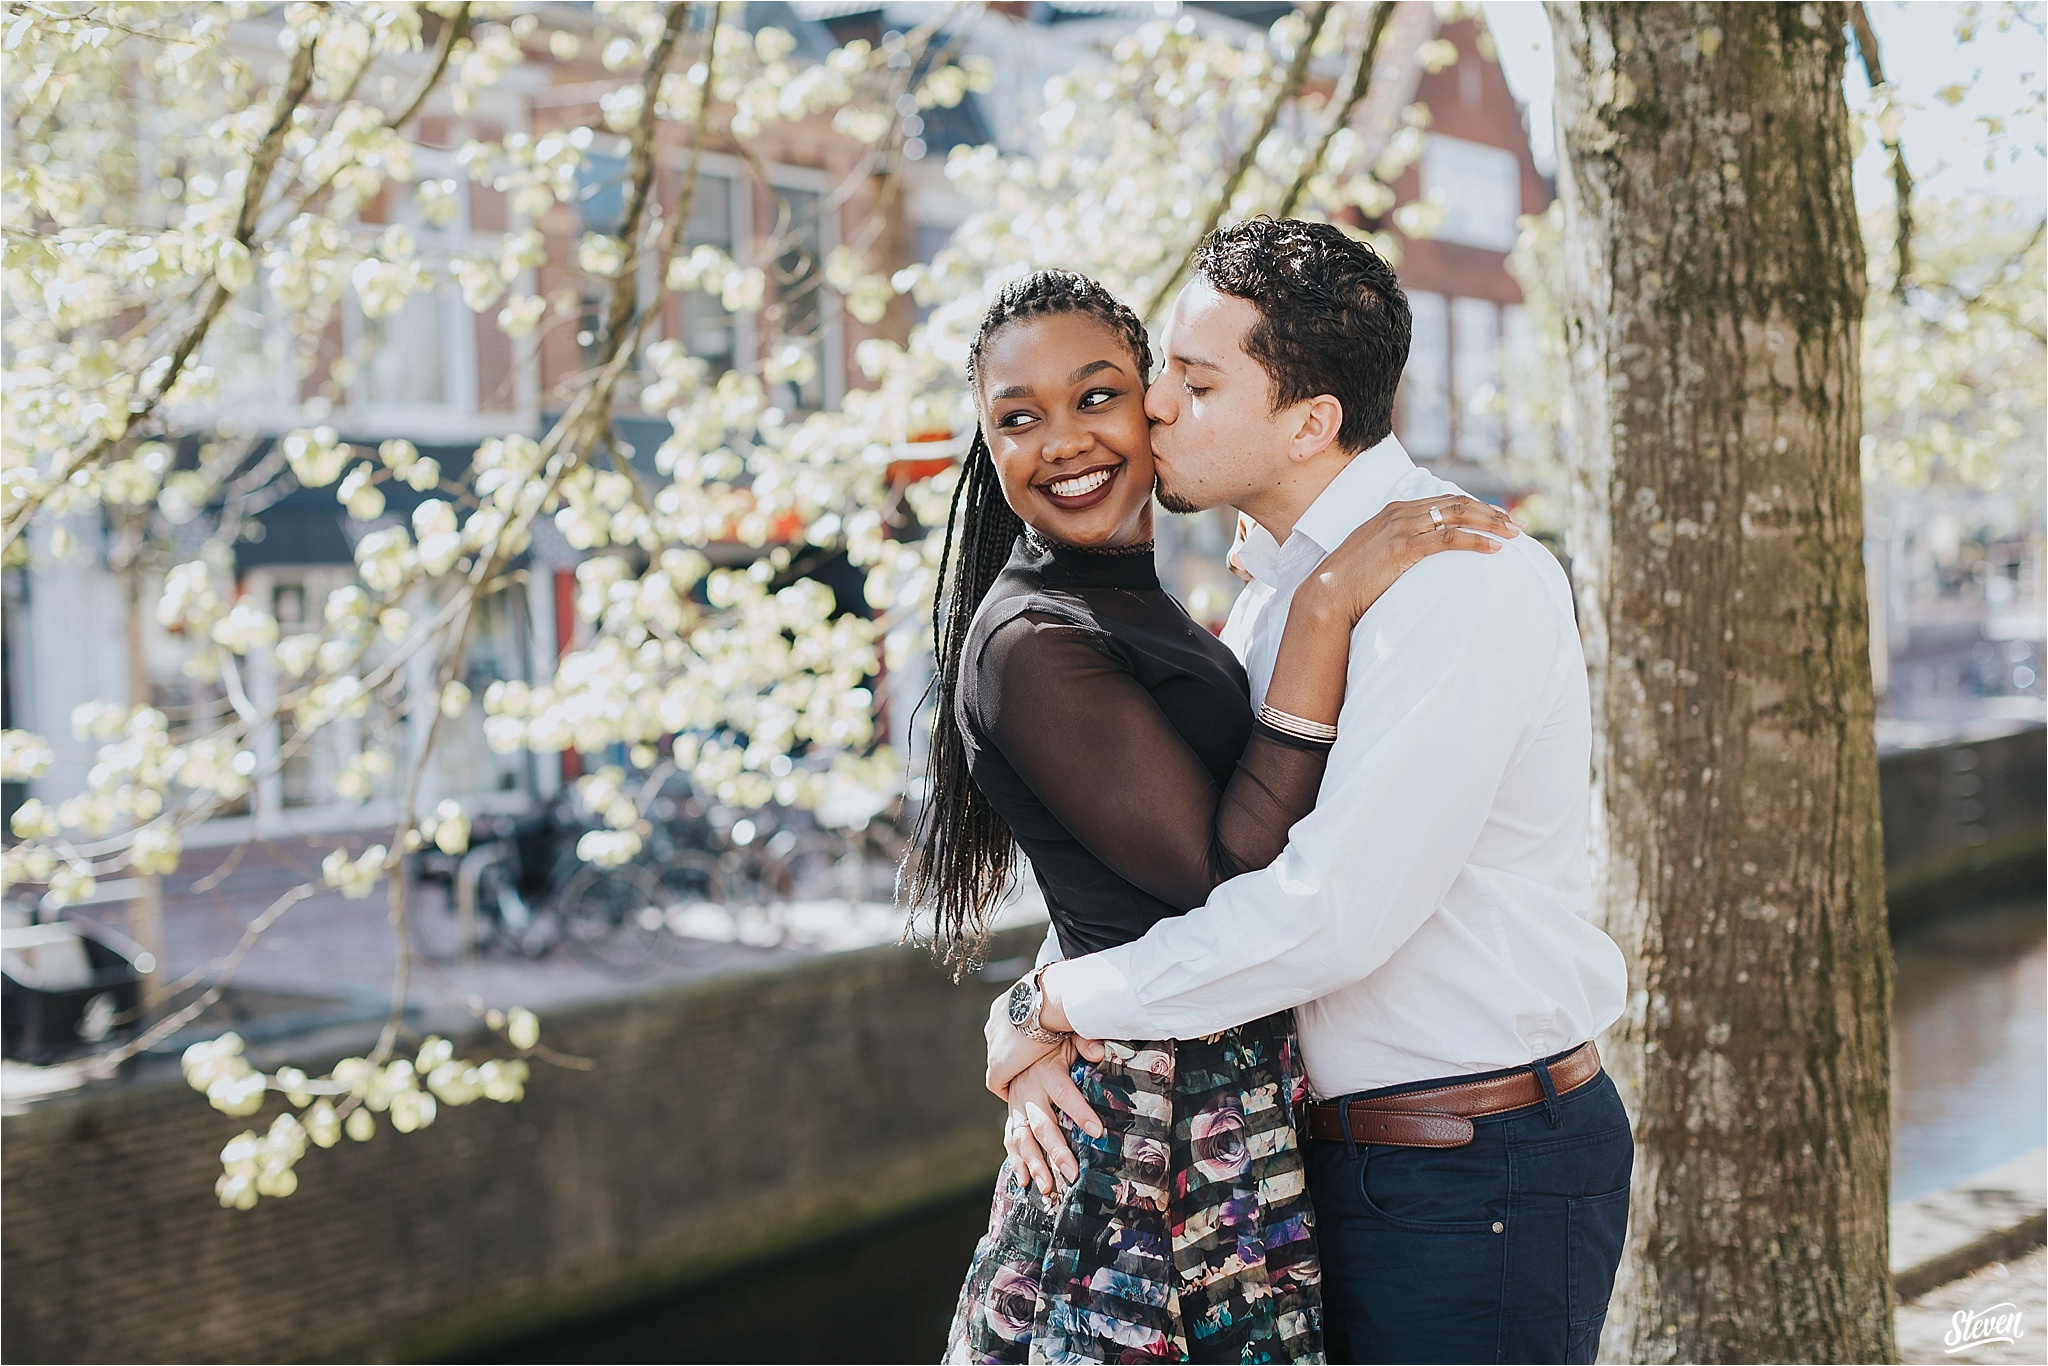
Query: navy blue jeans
{"points": [[1501, 1250]]}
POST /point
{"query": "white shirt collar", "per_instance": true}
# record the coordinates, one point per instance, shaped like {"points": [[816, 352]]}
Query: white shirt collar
{"points": [[1347, 502], [1356, 495]]}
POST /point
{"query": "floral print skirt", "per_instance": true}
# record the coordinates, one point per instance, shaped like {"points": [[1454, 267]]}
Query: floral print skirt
{"points": [[1187, 1235]]}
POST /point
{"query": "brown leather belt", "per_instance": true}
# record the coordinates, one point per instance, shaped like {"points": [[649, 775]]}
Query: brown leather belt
{"points": [[1442, 1116]]}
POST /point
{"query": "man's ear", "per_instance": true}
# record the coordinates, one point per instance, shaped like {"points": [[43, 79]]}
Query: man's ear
{"points": [[1321, 419]]}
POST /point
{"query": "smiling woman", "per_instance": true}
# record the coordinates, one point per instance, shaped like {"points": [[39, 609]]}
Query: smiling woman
{"points": [[1071, 444]]}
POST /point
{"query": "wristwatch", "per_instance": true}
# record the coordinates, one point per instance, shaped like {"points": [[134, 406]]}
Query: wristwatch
{"points": [[1027, 999]]}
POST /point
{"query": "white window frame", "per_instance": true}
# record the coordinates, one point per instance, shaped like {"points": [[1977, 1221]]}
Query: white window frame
{"points": [[740, 207], [1475, 370], [748, 238], [1426, 381], [268, 815], [1457, 175], [831, 310], [456, 417]]}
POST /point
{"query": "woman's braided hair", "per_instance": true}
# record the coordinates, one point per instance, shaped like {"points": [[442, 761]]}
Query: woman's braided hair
{"points": [[964, 854]]}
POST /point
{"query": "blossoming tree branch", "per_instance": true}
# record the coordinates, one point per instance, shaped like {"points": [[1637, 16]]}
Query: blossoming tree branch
{"points": [[193, 164]]}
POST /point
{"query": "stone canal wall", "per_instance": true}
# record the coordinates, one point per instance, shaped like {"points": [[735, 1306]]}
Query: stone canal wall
{"points": [[1963, 818], [725, 1120]]}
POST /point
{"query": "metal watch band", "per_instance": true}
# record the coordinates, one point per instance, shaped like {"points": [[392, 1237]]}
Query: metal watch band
{"points": [[1031, 1028]]}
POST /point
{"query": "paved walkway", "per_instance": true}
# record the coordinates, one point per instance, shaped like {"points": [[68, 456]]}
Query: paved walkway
{"points": [[328, 944], [2003, 1297], [329, 952]]}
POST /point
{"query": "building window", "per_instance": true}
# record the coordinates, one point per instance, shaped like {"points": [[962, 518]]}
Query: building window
{"points": [[1524, 429], [421, 359], [601, 209], [1475, 376], [408, 355], [785, 227], [1479, 189], [249, 352], [798, 278], [718, 219], [709, 331], [498, 648], [304, 773], [931, 239], [1426, 384]]}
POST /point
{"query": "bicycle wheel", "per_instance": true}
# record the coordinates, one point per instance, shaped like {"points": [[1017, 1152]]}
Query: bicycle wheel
{"points": [[436, 924], [689, 878], [825, 866], [612, 920]]}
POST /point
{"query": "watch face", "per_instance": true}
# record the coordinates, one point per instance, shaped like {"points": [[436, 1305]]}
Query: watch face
{"points": [[1020, 1003]]}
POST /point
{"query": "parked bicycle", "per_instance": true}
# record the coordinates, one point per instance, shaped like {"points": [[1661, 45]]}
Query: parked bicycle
{"points": [[520, 888], [857, 865], [731, 875], [714, 865], [704, 871]]}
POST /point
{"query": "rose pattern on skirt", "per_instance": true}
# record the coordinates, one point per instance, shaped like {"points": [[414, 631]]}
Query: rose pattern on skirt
{"points": [[1217, 1140]]}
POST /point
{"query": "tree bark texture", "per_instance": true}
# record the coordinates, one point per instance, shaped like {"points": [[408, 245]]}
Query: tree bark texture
{"points": [[1715, 277]]}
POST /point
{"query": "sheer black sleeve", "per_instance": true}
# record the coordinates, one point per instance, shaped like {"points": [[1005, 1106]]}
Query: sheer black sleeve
{"points": [[1069, 715]]}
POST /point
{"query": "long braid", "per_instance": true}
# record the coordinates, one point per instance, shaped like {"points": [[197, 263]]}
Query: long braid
{"points": [[965, 855]]}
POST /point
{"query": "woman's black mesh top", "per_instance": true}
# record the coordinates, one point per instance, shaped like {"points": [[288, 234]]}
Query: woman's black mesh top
{"points": [[1116, 737]]}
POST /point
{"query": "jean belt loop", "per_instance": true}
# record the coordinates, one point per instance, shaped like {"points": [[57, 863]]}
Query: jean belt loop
{"points": [[1344, 1119], [1543, 1079]]}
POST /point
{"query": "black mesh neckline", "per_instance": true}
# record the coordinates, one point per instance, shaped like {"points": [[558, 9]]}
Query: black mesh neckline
{"points": [[1123, 567]]}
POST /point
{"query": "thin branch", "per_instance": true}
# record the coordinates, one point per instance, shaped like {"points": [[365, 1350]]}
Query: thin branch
{"points": [[593, 410], [1361, 82], [672, 236], [401, 922], [453, 31], [105, 1063], [1297, 72], [640, 185], [1975, 298], [1902, 182], [449, 38]]}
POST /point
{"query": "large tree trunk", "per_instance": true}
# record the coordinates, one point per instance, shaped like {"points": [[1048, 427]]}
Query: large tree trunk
{"points": [[1715, 275]]}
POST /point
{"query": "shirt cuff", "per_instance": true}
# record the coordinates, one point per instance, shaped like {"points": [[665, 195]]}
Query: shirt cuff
{"points": [[1097, 996]]}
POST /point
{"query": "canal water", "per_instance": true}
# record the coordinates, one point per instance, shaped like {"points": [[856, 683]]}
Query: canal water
{"points": [[885, 1296], [1970, 1090], [1969, 1044]]}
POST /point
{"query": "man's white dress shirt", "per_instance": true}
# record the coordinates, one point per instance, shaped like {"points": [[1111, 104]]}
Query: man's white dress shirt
{"points": [[1430, 917]]}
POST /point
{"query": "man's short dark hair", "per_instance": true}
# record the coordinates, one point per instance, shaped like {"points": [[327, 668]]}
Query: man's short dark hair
{"points": [[1332, 317]]}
